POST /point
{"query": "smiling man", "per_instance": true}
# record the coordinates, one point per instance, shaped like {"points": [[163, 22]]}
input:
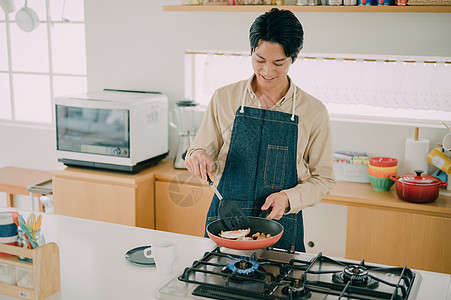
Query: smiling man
{"points": [[269, 141]]}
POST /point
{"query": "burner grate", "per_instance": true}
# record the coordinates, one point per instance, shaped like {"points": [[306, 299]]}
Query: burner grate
{"points": [[222, 293], [287, 277]]}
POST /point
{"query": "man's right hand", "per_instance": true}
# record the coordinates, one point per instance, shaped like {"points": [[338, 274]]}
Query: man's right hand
{"points": [[200, 164]]}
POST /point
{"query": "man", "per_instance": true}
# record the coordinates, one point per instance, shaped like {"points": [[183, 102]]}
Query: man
{"points": [[266, 135]]}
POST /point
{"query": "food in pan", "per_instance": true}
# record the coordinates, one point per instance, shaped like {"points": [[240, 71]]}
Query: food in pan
{"points": [[241, 235], [234, 234], [260, 236]]}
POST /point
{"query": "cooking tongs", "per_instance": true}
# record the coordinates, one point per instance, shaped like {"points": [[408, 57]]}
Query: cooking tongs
{"points": [[231, 214]]}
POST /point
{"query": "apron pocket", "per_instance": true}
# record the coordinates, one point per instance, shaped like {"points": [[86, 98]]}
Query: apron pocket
{"points": [[275, 164]]}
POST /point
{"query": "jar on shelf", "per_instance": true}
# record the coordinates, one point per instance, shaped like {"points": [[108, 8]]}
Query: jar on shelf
{"points": [[29, 240]]}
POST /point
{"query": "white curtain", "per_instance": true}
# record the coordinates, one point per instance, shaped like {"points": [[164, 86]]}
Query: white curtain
{"points": [[420, 86]]}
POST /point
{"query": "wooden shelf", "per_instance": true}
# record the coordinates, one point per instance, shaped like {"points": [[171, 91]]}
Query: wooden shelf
{"points": [[41, 277], [314, 8]]}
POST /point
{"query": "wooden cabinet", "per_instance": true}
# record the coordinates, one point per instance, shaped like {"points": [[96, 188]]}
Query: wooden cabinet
{"points": [[182, 202], [381, 228], [113, 197], [398, 238]]}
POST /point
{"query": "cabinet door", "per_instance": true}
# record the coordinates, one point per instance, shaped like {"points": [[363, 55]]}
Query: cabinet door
{"points": [[181, 208], [397, 238], [94, 201], [325, 229]]}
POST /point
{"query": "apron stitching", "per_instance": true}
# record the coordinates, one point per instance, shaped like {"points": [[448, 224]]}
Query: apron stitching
{"points": [[282, 178], [258, 160], [295, 233], [275, 164], [272, 184], [257, 118]]}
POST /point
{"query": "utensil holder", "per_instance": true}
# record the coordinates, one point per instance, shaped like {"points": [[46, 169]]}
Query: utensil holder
{"points": [[44, 269]]}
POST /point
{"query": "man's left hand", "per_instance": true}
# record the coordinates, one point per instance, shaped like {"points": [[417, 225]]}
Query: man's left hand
{"points": [[279, 203]]}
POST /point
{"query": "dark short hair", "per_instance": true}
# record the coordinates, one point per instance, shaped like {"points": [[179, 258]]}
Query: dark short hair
{"points": [[278, 26]]}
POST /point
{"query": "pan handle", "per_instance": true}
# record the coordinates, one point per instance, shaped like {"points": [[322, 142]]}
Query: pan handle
{"points": [[214, 188], [265, 213]]}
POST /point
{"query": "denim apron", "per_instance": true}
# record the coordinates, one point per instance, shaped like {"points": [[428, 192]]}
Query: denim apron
{"points": [[262, 161]]}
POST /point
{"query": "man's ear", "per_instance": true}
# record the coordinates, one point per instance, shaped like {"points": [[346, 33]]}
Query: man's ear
{"points": [[294, 58]]}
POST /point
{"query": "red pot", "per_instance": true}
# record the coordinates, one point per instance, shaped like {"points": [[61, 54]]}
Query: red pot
{"points": [[417, 188]]}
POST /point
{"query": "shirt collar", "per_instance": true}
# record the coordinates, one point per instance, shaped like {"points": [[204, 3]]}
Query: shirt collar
{"points": [[288, 95]]}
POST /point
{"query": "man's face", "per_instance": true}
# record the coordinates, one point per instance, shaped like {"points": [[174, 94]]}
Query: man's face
{"points": [[270, 64]]}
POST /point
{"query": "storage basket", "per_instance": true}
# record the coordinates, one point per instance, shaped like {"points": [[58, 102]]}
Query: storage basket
{"points": [[351, 172]]}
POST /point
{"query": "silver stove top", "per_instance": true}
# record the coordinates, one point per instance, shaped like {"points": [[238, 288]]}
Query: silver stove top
{"points": [[279, 274]]}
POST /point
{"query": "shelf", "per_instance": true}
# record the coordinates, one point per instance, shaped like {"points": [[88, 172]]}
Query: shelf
{"points": [[314, 8], [14, 261]]}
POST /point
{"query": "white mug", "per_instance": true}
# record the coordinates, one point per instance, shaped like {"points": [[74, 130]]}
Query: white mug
{"points": [[163, 252]]}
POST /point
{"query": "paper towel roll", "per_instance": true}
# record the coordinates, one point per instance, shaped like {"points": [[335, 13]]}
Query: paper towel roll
{"points": [[415, 157]]}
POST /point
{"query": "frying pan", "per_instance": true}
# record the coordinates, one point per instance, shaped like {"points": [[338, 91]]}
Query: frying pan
{"points": [[256, 224]]}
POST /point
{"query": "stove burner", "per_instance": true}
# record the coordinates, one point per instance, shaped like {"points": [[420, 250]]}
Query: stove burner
{"points": [[355, 273], [358, 275], [297, 291], [247, 268]]}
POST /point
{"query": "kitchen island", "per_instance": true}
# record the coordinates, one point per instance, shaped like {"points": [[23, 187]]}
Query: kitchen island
{"points": [[93, 264]]}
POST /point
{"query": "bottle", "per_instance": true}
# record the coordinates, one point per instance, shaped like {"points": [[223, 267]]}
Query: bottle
{"points": [[29, 240]]}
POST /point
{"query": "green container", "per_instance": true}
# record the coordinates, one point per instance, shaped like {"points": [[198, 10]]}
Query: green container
{"points": [[381, 184]]}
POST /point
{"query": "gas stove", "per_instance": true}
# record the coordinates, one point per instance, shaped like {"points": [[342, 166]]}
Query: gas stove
{"points": [[277, 274]]}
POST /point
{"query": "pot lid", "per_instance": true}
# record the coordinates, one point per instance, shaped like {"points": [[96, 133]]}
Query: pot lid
{"points": [[418, 178]]}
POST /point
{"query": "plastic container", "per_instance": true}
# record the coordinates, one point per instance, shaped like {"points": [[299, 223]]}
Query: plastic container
{"points": [[381, 174], [381, 184], [24, 278], [351, 172], [7, 226], [381, 161], [365, 2], [7, 274]]}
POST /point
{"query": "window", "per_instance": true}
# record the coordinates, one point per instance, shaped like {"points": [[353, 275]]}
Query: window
{"points": [[362, 88], [48, 62]]}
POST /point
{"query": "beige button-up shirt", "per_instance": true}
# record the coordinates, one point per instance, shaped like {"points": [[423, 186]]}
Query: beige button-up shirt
{"points": [[314, 151]]}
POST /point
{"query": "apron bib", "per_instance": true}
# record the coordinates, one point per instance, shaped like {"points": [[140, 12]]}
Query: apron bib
{"points": [[262, 161]]}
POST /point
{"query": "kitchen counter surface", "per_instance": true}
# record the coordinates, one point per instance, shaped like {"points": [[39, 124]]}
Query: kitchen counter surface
{"points": [[363, 195], [92, 258], [93, 265], [344, 193]]}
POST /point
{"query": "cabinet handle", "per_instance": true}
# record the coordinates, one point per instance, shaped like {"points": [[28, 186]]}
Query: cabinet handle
{"points": [[311, 244]]}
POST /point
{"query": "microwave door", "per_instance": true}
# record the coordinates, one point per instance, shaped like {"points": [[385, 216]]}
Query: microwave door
{"points": [[93, 131]]}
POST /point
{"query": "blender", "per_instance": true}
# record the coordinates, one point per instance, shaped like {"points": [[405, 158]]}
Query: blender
{"points": [[185, 118]]}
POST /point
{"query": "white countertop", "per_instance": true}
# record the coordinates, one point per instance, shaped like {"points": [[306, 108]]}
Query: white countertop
{"points": [[93, 264]]}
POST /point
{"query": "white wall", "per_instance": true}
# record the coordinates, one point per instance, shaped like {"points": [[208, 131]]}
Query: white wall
{"points": [[136, 45]]}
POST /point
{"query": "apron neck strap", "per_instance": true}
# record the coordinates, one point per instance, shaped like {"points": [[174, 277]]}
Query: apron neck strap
{"points": [[294, 101], [244, 99]]}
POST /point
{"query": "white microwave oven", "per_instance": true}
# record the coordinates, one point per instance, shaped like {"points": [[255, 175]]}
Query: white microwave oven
{"points": [[112, 129]]}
